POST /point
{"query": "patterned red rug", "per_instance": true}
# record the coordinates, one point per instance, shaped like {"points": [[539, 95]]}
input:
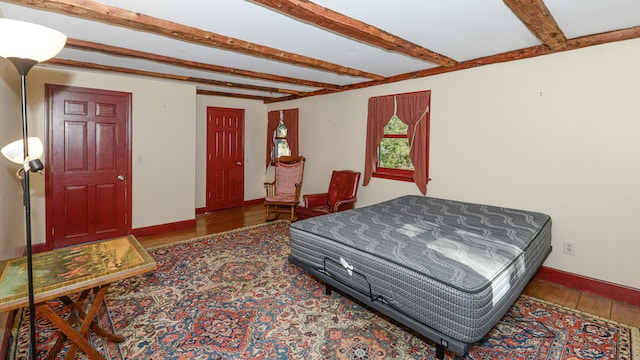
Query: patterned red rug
{"points": [[235, 296]]}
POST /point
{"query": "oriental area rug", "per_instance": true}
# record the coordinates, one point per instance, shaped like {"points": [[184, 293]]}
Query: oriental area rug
{"points": [[234, 295]]}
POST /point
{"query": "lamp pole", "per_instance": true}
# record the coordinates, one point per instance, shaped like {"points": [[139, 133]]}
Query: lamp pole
{"points": [[23, 66], [24, 45]]}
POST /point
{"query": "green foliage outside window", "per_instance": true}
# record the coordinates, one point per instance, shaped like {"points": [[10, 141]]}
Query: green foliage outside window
{"points": [[282, 148], [280, 139], [393, 152]]}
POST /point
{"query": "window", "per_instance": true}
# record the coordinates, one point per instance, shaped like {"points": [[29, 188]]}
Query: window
{"points": [[282, 134], [393, 153], [398, 138], [281, 147]]}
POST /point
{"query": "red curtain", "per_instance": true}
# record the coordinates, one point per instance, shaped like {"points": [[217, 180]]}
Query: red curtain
{"points": [[290, 120], [273, 119], [413, 110], [380, 112]]}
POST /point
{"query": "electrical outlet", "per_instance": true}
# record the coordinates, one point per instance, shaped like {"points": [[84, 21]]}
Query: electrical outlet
{"points": [[569, 248]]}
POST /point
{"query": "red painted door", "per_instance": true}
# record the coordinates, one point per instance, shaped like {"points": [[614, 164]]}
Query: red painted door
{"points": [[225, 158], [88, 165]]}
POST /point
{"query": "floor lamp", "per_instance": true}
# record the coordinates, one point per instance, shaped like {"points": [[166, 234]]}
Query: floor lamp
{"points": [[24, 45]]}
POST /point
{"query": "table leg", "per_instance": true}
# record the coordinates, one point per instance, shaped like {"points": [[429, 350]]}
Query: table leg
{"points": [[98, 296], [69, 331], [76, 334], [74, 308], [111, 337]]}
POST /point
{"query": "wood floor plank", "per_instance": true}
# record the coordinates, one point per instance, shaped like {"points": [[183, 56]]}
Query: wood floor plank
{"points": [[595, 304], [625, 313]]}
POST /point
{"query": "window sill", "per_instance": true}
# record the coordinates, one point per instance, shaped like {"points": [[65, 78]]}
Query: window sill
{"points": [[391, 174]]}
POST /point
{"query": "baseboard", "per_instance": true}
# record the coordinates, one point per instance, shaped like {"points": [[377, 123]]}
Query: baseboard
{"points": [[254, 202], [157, 229], [152, 230], [203, 210], [38, 248], [603, 288]]}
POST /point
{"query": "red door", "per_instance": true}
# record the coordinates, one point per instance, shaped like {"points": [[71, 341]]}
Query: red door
{"points": [[88, 165], [225, 158]]}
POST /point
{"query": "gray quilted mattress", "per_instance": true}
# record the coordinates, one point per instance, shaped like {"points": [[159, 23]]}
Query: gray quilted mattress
{"points": [[455, 267]]}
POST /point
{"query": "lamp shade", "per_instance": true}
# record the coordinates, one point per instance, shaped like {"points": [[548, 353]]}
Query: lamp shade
{"points": [[19, 39], [14, 151]]}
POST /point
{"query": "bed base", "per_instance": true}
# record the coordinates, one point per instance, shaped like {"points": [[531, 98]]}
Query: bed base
{"points": [[442, 341]]}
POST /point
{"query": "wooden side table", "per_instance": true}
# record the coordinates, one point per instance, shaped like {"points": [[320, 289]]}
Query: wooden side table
{"points": [[77, 269]]}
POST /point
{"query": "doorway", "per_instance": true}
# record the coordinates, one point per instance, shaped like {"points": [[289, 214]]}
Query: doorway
{"points": [[88, 167], [225, 158]]}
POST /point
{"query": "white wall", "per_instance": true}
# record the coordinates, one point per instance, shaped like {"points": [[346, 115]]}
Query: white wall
{"points": [[255, 126], [557, 134], [163, 131], [12, 234]]}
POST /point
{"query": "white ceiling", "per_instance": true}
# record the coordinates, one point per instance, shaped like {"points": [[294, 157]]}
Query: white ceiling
{"points": [[459, 29]]}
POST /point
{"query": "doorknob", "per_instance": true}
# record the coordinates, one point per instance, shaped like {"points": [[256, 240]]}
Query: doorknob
{"points": [[238, 163], [121, 177]]}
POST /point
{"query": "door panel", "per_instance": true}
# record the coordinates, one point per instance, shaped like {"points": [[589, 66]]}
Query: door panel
{"points": [[225, 158], [106, 146], [75, 199], [89, 164], [75, 151], [107, 206]]}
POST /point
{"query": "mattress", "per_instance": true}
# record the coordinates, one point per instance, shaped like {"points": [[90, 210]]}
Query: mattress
{"points": [[451, 267]]}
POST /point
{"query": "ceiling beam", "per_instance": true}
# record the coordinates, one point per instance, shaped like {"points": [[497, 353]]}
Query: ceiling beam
{"points": [[93, 66], [118, 51], [530, 52], [323, 17], [226, 94], [94, 11], [538, 19]]}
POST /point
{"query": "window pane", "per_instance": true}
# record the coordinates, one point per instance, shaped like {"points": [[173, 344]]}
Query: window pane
{"points": [[394, 154], [396, 126], [282, 148], [281, 131]]}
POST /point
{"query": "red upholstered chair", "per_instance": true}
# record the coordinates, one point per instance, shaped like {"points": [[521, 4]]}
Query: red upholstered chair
{"points": [[283, 194], [343, 189]]}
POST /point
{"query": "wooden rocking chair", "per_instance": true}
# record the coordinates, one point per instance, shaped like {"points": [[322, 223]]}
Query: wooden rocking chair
{"points": [[283, 194]]}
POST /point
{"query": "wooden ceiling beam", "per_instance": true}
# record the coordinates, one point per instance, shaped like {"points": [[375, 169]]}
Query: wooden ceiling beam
{"points": [[232, 95], [118, 51], [323, 17], [93, 66], [538, 19], [530, 52], [94, 11]]}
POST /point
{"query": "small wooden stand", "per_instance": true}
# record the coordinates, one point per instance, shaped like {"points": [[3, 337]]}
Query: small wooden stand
{"points": [[79, 269]]}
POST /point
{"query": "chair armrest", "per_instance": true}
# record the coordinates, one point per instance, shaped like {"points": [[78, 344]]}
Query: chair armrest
{"points": [[269, 188], [345, 204], [313, 200]]}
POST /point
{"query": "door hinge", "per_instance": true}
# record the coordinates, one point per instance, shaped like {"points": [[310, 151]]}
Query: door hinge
{"points": [[209, 194], [53, 232]]}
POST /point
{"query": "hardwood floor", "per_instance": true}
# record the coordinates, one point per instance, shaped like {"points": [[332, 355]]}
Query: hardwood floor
{"points": [[225, 220], [210, 223]]}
